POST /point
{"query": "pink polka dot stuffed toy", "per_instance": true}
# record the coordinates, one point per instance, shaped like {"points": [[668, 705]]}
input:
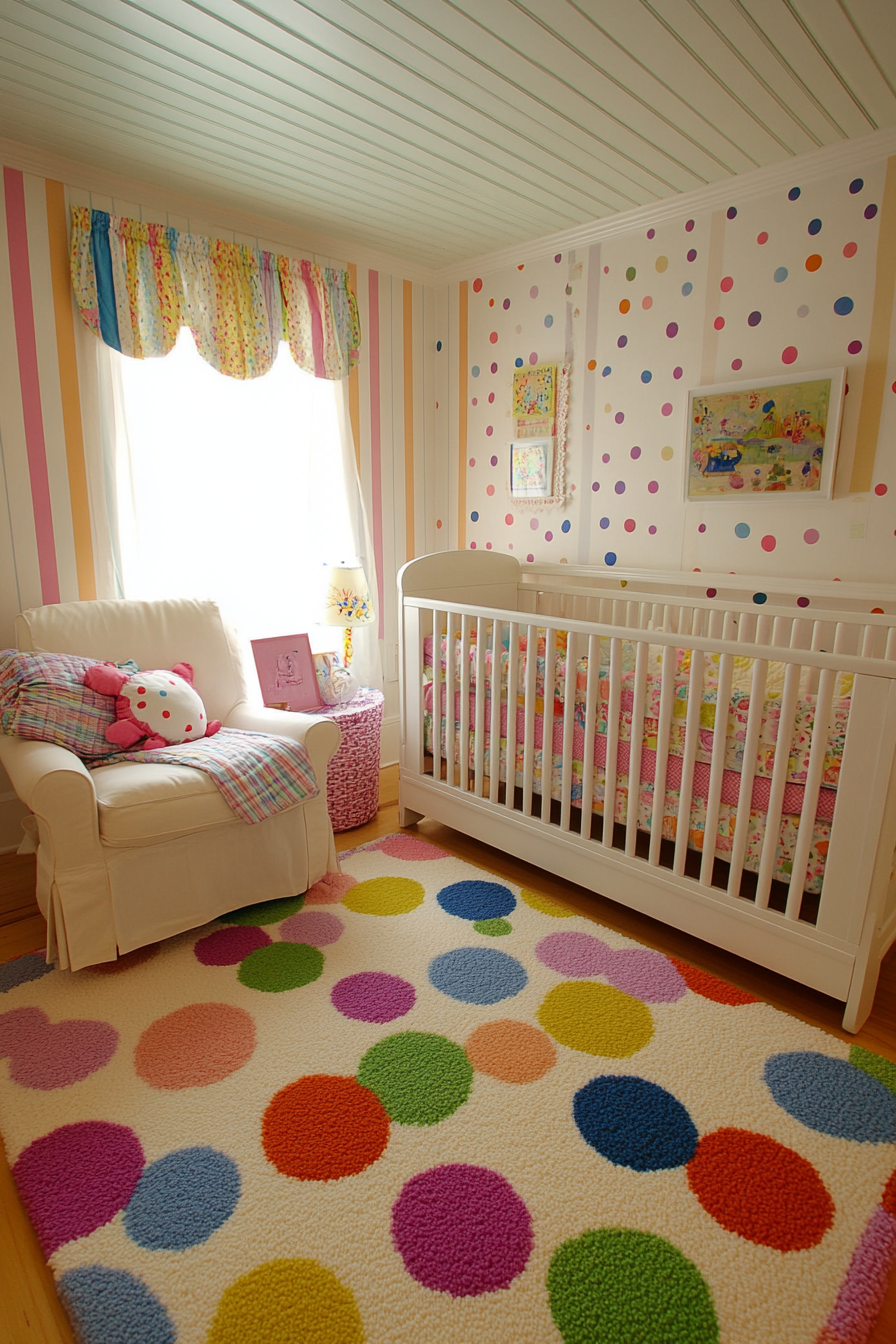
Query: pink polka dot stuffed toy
{"points": [[160, 706]]}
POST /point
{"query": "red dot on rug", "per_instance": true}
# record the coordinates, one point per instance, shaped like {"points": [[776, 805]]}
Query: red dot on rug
{"points": [[324, 1127], [710, 987], [888, 1198], [228, 947], [195, 1046], [754, 1186]]}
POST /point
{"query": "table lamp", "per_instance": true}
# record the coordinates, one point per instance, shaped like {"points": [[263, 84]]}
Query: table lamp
{"points": [[346, 602]]}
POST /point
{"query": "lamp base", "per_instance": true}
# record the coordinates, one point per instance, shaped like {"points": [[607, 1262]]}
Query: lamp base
{"points": [[347, 647]]}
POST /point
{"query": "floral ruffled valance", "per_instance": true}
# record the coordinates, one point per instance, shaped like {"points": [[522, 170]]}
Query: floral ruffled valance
{"points": [[137, 284]]}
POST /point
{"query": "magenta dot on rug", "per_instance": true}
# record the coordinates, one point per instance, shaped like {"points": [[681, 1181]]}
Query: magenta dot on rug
{"points": [[46, 1055], [228, 947], [330, 889], [76, 1178], [315, 927], [409, 847], [462, 1230], [373, 996], [574, 954]]}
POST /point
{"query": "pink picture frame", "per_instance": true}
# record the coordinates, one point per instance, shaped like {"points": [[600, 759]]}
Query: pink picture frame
{"points": [[286, 672]]}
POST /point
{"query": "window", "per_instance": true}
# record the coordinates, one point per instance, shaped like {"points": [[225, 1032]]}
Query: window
{"points": [[236, 490]]}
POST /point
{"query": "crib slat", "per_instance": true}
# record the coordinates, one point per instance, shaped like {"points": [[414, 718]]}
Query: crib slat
{"points": [[639, 690], [437, 719], [479, 707], [464, 679], [691, 741], [592, 687], [569, 721], [494, 727], [747, 775], [529, 717], [513, 674], [613, 705], [452, 750], [667, 698], [779, 780], [717, 768], [820, 729]]}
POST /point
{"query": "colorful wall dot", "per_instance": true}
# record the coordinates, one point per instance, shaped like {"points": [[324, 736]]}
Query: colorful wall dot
{"points": [[813, 262], [789, 354], [462, 1229]]}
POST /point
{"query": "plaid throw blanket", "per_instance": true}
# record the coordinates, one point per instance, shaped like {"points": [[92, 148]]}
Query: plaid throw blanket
{"points": [[258, 774]]}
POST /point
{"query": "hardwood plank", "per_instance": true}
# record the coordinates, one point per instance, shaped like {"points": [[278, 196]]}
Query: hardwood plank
{"points": [[30, 1312]]}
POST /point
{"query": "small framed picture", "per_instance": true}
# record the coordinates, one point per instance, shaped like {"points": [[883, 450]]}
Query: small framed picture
{"points": [[772, 437], [286, 672], [532, 468]]}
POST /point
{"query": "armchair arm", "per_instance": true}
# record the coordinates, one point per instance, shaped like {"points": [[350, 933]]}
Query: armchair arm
{"points": [[58, 789], [320, 737]]}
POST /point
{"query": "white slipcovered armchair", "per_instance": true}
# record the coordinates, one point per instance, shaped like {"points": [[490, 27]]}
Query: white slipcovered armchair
{"points": [[132, 852]]}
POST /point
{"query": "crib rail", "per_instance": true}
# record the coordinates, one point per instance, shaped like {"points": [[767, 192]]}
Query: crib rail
{"points": [[595, 790]]}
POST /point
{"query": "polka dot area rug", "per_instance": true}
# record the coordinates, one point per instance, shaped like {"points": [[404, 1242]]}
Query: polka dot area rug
{"points": [[421, 1104]]}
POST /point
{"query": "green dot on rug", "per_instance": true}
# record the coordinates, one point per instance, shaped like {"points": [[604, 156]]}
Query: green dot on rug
{"points": [[493, 928], [265, 912], [281, 966], [620, 1286], [419, 1077]]}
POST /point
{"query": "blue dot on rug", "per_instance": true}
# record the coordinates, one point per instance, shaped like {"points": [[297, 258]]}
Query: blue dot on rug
{"points": [[477, 975], [110, 1306], [19, 972], [477, 900], [635, 1123], [832, 1096], [181, 1199]]}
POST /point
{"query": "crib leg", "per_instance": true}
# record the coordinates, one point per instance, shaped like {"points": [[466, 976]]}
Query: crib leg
{"points": [[861, 992], [408, 817]]}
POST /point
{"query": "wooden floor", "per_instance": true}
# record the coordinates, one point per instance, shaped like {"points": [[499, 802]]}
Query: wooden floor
{"points": [[29, 1309]]}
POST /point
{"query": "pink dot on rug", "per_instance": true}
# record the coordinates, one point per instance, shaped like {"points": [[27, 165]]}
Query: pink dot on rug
{"points": [[317, 928], [77, 1178], [45, 1055], [195, 1046], [330, 889], [409, 847], [573, 954], [645, 975], [462, 1230], [373, 996], [228, 947]]}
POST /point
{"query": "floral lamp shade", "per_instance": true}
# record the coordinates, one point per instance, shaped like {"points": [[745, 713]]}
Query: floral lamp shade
{"points": [[346, 601]]}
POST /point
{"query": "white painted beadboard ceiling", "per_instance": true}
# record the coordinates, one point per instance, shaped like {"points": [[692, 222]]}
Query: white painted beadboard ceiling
{"points": [[438, 130]]}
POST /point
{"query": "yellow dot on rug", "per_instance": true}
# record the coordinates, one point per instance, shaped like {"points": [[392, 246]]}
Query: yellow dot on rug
{"points": [[284, 1301], [546, 904], [596, 1019], [384, 896]]}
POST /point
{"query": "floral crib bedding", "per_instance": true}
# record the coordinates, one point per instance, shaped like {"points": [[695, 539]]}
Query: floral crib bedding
{"points": [[645, 781]]}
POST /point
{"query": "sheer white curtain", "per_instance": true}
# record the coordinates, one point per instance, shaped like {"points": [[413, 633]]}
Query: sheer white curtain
{"points": [[238, 491]]}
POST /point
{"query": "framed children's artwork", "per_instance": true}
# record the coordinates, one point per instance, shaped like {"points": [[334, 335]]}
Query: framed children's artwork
{"points": [[286, 672], [531, 468], [537, 474], [773, 436]]}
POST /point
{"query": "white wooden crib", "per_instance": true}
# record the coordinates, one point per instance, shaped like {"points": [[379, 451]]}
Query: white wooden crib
{"points": [[631, 667]]}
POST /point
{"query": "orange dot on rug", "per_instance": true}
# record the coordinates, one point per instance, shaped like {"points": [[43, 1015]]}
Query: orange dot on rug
{"points": [[766, 1193], [512, 1051], [710, 987], [324, 1127], [330, 889], [195, 1046]]}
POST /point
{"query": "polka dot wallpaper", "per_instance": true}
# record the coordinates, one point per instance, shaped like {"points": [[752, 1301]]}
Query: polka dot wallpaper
{"points": [[782, 283]]}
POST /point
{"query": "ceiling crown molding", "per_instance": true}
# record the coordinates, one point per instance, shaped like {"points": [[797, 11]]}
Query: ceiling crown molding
{"points": [[818, 163]]}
